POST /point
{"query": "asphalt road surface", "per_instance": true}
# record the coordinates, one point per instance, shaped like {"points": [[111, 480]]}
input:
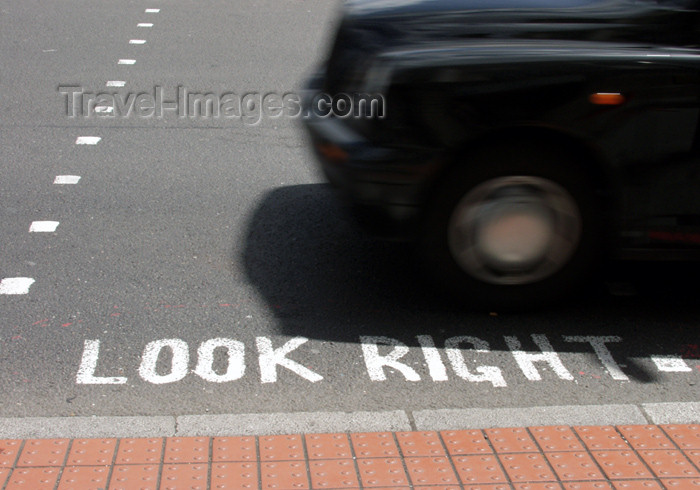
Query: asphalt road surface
{"points": [[200, 264]]}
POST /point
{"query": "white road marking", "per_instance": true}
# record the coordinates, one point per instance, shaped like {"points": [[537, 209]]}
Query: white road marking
{"points": [[270, 358], [152, 11], [66, 179], [236, 360], [144, 24], [671, 364], [456, 357], [126, 62], [115, 83], [15, 285], [375, 362], [603, 353], [137, 41], [43, 226], [527, 360], [88, 365], [87, 140], [104, 109], [180, 359]]}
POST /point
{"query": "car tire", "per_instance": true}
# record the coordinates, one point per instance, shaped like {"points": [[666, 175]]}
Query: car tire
{"points": [[514, 227]]}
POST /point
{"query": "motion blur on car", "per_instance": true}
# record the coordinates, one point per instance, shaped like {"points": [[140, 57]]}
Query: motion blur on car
{"points": [[518, 143]]}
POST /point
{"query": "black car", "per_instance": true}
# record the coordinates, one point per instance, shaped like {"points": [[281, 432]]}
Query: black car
{"points": [[517, 141]]}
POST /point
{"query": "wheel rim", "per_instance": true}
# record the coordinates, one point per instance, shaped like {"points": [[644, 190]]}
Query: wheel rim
{"points": [[514, 230]]}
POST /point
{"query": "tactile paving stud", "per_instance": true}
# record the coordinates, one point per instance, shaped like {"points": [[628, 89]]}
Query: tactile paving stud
{"points": [[603, 438], [43, 452], [33, 479], [128, 477], [621, 464], [587, 485], [333, 473], [83, 477], [281, 448], [177, 476], [382, 472], [511, 440], [558, 438], [645, 437], [420, 444], [527, 467], [241, 476], [537, 486], [284, 475], [694, 456], [430, 471], [139, 451], [328, 446], [186, 450], [681, 483], [374, 445], [686, 436], [669, 464], [465, 442], [479, 470], [8, 452], [574, 466], [91, 452], [636, 485], [233, 449]]}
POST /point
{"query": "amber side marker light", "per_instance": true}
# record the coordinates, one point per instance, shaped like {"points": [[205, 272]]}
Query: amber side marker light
{"points": [[332, 152], [607, 98]]}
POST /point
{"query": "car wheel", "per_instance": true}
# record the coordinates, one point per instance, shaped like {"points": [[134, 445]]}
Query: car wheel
{"points": [[513, 228]]}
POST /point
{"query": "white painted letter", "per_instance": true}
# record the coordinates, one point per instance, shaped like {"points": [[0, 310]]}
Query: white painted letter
{"points": [[603, 353], [527, 360], [486, 373], [375, 363], [88, 365], [178, 368], [432, 358], [270, 358], [205, 360]]}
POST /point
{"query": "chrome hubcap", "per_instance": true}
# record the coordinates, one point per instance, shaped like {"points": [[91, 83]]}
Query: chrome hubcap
{"points": [[514, 230]]}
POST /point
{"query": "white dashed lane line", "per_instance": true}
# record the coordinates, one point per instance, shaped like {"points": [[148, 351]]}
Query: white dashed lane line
{"points": [[144, 24], [43, 226], [87, 140], [115, 83], [137, 41], [126, 62], [15, 285], [152, 11], [66, 179]]}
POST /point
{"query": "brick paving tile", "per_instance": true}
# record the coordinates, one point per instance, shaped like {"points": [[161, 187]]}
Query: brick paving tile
{"points": [[479, 470], [669, 464], [139, 451], [233, 449], [636, 485], [694, 456], [43, 452], [8, 452], [587, 485], [688, 483], [604, 438], [374, 445], [132, 476], [328, 446], [511, 440], [333, 473], [84, 478], [281, 448], [284, 475], [686, 436], [558, 438], [184, 476], [431, 471], [382, 472], [186, 450], [465, 442], [33, 479], [646, 437], [621, 464], [420, 444], [498, 486], [527, 467], [537, 486], [574, 466], [237, 476], [91, 452]]}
